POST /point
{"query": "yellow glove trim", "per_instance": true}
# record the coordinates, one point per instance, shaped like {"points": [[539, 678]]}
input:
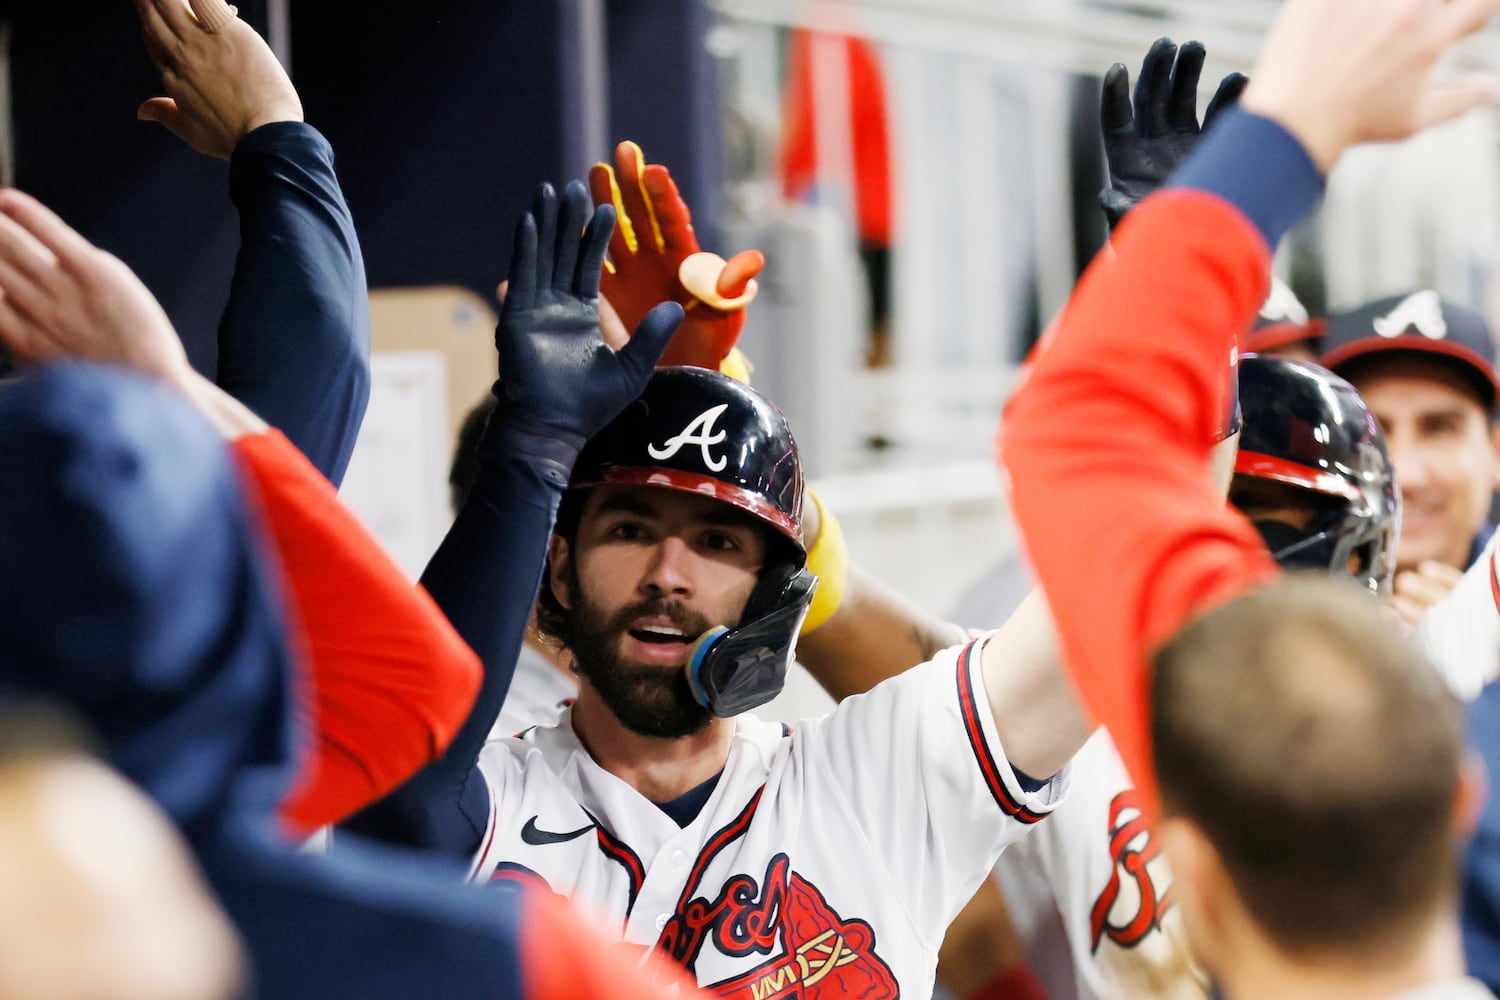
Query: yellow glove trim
{"points": [[737, 366], [828, 560], [622, 221], [640, 185]]}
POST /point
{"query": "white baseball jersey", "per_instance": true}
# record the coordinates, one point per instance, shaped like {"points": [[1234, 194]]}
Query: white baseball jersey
{"points": [[1110, 883], [538, 694], [828, 860], [1461, 633]]}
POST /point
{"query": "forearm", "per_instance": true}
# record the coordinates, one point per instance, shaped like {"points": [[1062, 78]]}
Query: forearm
{"points": [[294, 341], [876, 633], [1128, 535], [484, 577], [389, 681]]}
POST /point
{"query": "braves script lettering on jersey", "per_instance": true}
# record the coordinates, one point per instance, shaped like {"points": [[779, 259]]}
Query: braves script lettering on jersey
{"points": [[1110, 883], [828, 861]]}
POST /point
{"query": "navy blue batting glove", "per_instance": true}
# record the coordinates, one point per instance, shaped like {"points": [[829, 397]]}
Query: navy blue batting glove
{"points": [[560, 381], [1145, 140]]}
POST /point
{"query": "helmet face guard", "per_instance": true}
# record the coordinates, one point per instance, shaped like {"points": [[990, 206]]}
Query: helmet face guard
{"points": [[701, 432], [733, 670], [1307, 428]]}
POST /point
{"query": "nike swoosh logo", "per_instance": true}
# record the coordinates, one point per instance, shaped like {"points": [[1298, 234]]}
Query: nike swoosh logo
{"points": [[536, 838]]}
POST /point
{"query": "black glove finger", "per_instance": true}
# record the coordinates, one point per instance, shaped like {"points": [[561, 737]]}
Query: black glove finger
{"points": [[1182, 108], [544, 209], [648, 341], [522, 292], [1153, 88], [591, 257], [570, 220], [1114, 100], [1226, 97]]}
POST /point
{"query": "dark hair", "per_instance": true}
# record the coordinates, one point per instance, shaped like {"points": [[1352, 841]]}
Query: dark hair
{"points": [[552, 619], [464, 469], [1320, 754]]}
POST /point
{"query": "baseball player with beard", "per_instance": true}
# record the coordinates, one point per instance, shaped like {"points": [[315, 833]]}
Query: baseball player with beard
{"points": [[767, 860]]}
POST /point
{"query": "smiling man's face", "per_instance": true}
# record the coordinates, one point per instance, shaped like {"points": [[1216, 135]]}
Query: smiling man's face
{"points": [[649, 570], [1443, 448]]}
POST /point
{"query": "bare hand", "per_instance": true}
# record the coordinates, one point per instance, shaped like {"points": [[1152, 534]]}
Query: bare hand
{"points": [[62, 297], [1336, 73], [222, 84], [1414, 591]]}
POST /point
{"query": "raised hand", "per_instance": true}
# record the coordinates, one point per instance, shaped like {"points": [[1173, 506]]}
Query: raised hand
{"points": [[1335, 73], [560, 380], [222, 80], [62, 297], [1146, 139], [654, 257]]}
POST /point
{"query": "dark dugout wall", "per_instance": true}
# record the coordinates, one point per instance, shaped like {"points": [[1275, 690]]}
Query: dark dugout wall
{"points": [[443, 115]]}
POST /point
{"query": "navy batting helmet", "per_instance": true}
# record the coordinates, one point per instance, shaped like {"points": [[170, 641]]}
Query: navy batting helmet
{"points": [[1306, 428], [701, 432]]}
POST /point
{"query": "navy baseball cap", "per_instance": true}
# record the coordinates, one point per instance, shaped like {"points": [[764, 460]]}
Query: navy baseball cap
{"points": [[1418, 322], [1282, 320]]}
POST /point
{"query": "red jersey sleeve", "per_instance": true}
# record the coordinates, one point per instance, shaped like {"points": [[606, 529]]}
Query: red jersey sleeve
{"points": [[389, 682], [1107, 447]]}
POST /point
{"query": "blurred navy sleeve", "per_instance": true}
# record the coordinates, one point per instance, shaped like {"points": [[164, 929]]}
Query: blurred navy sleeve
{"points": [[294, 342]]}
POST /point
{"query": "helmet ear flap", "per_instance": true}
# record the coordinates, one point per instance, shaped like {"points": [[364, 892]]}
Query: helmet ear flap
{"points": [[735, 670]]}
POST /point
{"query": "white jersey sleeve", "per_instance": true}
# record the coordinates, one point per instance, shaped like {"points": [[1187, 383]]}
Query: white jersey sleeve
{"points": [[1460, 634], [919, 764], [539, 692]]}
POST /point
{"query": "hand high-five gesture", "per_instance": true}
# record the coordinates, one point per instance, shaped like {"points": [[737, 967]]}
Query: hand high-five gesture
{"points": [[1337, 73], [1145, 139], [654, 257], [222, 79], [62, 297], [559, 379]]}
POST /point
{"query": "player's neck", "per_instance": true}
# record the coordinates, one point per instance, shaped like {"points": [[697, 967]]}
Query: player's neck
{"points": [[1258, 969], [660, 769]]}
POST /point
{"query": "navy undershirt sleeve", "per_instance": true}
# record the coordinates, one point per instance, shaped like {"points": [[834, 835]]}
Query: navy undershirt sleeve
{"points": [[294, 341], [1257, 166], [484, 577]]}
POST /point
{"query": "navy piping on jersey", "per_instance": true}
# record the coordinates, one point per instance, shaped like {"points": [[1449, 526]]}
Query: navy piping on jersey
{"points": [[734, 829], [619, 852], [967, 703]]}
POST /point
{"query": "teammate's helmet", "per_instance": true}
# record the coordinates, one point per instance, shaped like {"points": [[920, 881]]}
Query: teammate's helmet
{"points": [[702, 432], [1306, 428]]}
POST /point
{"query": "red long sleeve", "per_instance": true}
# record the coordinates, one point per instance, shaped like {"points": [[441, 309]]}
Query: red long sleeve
{"points": [[390, 681], [566, 958], [1107, 446]]}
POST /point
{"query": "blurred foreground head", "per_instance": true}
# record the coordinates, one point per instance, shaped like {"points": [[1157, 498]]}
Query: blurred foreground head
{"points": [[134, 591], [1311, 772], [102, 899]]}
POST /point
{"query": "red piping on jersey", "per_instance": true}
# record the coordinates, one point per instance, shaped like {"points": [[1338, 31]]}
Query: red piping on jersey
{"points": [[982, 755], [484, 852], [1494, 583], [735, 829], [619, 852]]}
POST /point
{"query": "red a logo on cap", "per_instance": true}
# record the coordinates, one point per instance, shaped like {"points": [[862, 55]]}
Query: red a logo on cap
{"points": [[700, 431]]}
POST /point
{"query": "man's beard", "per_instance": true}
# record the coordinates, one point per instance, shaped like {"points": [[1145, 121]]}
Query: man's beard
{"points": [[650, 700]]}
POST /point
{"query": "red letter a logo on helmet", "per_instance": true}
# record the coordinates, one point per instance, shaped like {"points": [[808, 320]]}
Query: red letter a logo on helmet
{"points": [[700, 431]]}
